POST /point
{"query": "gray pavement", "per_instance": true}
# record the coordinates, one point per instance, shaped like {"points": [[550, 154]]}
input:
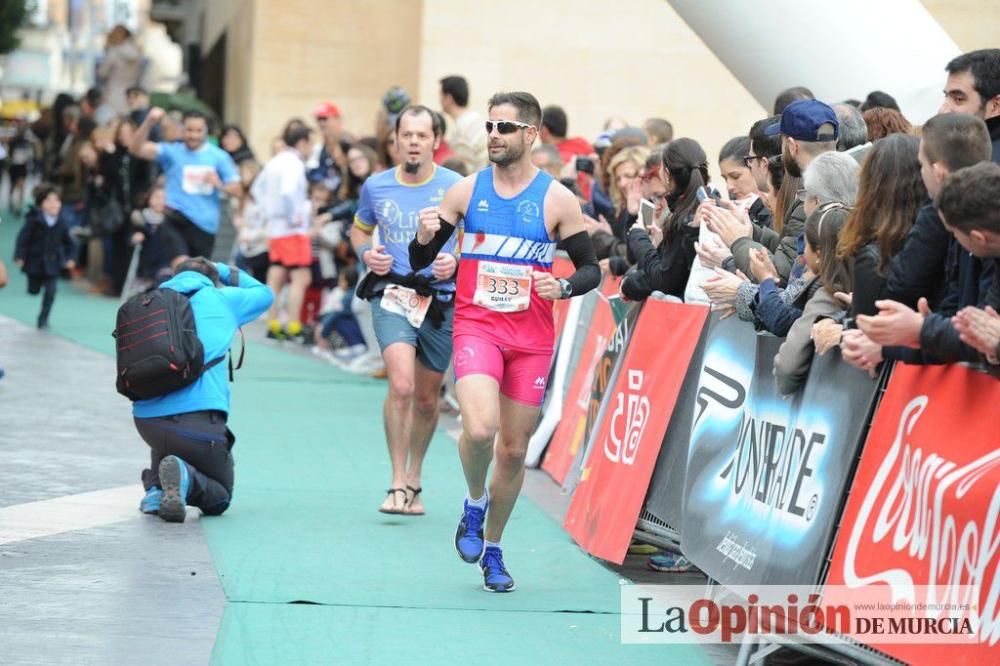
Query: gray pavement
{"points": [[84, 577]]}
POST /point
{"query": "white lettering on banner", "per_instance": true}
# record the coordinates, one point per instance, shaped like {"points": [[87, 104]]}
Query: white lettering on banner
{"points": [[632, 413], [906, 501], [744, 556]]}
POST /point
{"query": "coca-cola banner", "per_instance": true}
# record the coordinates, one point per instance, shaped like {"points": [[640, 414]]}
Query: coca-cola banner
{"points": [[924, 509], [766, 473], [636, 409], [596, 331]]}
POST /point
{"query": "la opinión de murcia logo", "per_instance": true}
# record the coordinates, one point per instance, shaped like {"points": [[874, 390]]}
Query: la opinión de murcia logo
{"points": [[905, 507], [628, 421]]}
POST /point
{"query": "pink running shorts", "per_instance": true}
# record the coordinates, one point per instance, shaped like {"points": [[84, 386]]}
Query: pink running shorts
{"points": [[522, 375]]}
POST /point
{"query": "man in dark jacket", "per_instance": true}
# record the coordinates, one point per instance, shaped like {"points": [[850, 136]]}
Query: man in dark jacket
{"points": [[967, 206], [44, 247], [932, 264], [973, 87], [186, 429]]}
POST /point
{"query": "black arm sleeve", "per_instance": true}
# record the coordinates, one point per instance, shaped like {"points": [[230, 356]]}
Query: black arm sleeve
{"points": [[581, 251], [422, 256]]}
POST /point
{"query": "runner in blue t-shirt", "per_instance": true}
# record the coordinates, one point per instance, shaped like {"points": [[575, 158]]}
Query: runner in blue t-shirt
{"points": [[196, 173], [412, 314]]}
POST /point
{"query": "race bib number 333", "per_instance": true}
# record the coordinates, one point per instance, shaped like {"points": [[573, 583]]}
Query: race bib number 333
{"points": [[503, 287]]}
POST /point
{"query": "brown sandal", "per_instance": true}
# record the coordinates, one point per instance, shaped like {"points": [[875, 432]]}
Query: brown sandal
{"points": [[393, 491], [412, 495]]}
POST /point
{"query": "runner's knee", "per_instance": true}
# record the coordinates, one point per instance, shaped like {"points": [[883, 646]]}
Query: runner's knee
{"points": [[481, 433], [510, 456]]}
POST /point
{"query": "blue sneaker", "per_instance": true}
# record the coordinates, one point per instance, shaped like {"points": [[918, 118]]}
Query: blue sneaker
{"points": [[176, 482], [151, 501], [469, 537], [495, 576]]}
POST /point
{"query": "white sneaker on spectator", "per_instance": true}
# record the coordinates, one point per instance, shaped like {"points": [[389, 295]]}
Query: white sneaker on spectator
{"points": [[348, 354], [366, 364], [325, 354]]}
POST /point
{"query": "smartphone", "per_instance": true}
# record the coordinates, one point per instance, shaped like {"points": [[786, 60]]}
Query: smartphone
{"points": [[704, 195], [647, 212], [585, 165]]}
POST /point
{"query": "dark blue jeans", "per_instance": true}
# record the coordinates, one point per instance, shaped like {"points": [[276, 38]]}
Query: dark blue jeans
{"points": [[346, 326]]}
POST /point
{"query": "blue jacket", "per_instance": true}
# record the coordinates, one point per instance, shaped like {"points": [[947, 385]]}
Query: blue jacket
{"points": [[218, 314]]}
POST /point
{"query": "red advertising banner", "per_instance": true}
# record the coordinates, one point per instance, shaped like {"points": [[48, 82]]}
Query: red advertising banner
{"points": [[925, 509], [569, 434], [607, 501], [561, 268]]}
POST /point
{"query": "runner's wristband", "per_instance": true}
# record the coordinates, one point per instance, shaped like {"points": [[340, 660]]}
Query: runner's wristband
{"points": [[422, 256]]}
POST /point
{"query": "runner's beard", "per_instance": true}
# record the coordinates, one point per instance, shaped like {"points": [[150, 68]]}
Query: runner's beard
{"points": [[510, 155], [411, 167]]}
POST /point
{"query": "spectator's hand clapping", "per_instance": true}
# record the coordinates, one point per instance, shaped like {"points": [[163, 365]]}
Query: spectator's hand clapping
{"points": [[728, 226], [138, 237], [155, 114], [895, 324], [859, 350], [761, 265], [722, 287], [979, 329], [712, 252], [825, 335]]}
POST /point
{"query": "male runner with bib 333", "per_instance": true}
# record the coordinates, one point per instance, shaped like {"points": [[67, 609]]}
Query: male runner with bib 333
{"points": [[511, 214]]}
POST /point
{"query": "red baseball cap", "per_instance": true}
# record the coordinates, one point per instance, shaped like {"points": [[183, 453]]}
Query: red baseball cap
{"points": [[327, 110]]}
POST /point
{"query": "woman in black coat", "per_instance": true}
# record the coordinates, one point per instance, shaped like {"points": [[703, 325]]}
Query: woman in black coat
{"points": [[44, 247], [667, 266]]}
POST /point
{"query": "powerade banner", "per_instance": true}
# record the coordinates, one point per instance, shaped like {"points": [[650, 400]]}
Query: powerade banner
{"points": [[638, 405], [766, 474], [665, 498], [624, 315], [923, 517], [595, 331]]}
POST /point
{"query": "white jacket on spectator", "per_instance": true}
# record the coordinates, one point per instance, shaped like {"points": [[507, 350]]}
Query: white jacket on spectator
{"points": [[281, 194]]}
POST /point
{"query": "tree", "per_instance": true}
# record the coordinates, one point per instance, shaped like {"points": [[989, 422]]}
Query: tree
{"points": [[12, 15]]}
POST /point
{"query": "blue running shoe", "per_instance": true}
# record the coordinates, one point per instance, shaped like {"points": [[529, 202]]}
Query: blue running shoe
{"points": [[495, 576], [176, 482], [151, 502], [469, 537]]}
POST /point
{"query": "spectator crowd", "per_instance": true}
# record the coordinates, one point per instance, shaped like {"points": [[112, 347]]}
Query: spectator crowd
{"points": [[834, 223]]}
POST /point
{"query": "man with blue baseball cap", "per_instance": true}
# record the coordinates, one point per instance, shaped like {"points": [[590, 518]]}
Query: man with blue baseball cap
{"points": [[808, 128]]}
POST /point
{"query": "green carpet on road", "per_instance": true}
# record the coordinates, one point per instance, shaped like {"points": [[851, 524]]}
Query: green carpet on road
{"points": [[303, 527]]}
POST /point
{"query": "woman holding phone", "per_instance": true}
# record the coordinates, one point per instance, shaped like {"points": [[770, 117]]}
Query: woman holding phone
{"points": [[664, 265]]}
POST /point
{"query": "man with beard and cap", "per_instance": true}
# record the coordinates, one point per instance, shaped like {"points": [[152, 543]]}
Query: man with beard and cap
{"points": [[512, 213], [411, 309]]}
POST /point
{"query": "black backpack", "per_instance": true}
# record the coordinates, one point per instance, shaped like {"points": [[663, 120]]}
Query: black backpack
{"points": [[157, 345]]}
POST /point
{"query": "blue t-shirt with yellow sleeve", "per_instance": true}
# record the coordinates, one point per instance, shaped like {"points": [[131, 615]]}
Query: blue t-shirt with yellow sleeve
{"points": [[394, 207]]}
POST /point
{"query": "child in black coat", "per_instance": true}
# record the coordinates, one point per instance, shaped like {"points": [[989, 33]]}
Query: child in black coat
{"points": [[44, 247]]}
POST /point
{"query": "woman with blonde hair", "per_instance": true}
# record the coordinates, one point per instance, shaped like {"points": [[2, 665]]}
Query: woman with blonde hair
{"points": [[625, 187]]}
